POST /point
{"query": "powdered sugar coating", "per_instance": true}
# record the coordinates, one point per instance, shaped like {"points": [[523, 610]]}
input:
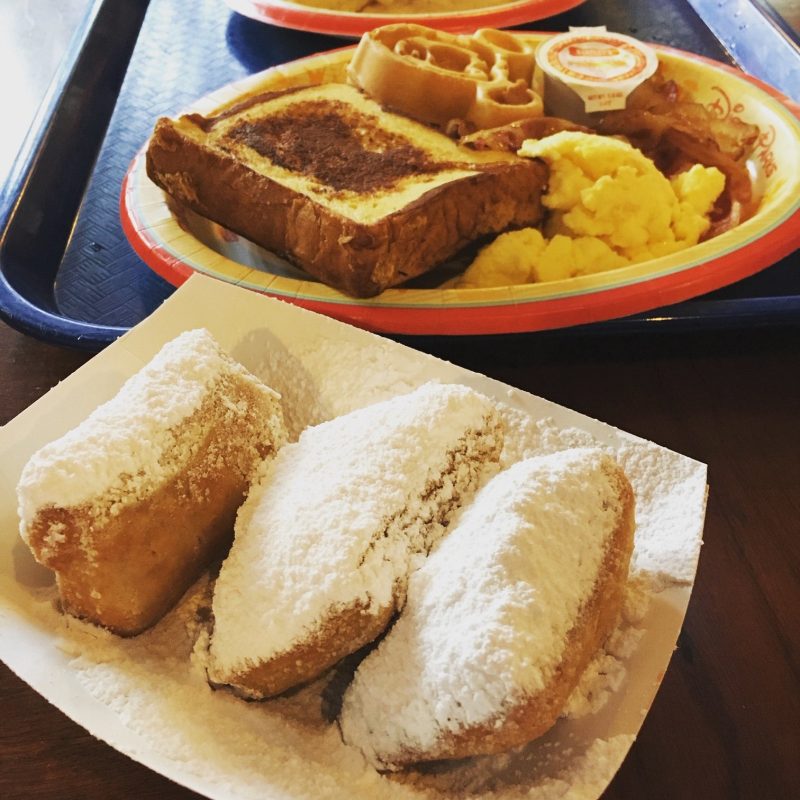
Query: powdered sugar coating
{"points": [[668, 530], [487, 615], [127, 445], [337, 518]]}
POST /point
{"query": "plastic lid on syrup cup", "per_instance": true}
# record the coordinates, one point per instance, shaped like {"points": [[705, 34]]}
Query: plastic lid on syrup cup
{"points": [[590, 70]]}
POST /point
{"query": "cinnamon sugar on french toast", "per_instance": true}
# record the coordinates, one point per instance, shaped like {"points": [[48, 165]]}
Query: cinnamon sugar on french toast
{"points": [[361, 198], [132, 505], [326, 540], [502, 618]]}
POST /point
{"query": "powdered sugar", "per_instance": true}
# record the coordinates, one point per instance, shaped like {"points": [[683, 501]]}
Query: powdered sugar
{"points": [[668, 531], [531, 436]]}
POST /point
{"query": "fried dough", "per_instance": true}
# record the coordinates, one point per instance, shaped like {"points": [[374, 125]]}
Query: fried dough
{"points": [[503, 617], [326, 540], [130, 507]]}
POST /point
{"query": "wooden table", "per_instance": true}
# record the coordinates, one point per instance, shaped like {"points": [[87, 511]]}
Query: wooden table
{"points": [[726, 721]]}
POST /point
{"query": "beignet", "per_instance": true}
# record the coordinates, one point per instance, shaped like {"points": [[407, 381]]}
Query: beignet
{"points": [[325, 542], [132, 505], [502, 618]]}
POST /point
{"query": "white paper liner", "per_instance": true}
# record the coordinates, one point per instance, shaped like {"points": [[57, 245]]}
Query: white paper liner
{"points": [[147, 696]]}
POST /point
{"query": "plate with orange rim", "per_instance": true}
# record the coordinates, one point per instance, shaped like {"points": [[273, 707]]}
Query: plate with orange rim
{"points": [[176, 243], [315, 17]]}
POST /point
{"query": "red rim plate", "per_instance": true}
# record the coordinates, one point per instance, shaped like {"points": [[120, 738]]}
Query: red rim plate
{"points": [[339, 23], [756, 244]]}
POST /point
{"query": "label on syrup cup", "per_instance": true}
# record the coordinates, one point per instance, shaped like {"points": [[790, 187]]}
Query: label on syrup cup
{"points": [[597, 68]]}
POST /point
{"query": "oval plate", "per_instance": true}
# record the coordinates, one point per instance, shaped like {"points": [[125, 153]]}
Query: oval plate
{"points": [[344, 23], [176, 243]]}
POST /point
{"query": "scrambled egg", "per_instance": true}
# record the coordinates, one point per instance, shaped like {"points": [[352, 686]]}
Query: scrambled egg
{"points": [[609, 207]]}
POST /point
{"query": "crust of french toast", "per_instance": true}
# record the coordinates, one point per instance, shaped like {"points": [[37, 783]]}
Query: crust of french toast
{"points": [[357, 258]]}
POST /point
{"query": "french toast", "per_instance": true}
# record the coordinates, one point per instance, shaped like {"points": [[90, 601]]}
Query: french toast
{"points": [[132, 505], [502, 618], [360, 198], [327, 537]]}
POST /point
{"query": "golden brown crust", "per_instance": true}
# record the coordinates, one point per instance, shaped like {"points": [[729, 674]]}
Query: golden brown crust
{"points": [[344, 633], [359, 259], [125, 571], [530, 718]]}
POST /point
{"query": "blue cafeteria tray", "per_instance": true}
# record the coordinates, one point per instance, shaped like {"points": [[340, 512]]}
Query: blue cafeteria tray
{"points": [[67, 272]]}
